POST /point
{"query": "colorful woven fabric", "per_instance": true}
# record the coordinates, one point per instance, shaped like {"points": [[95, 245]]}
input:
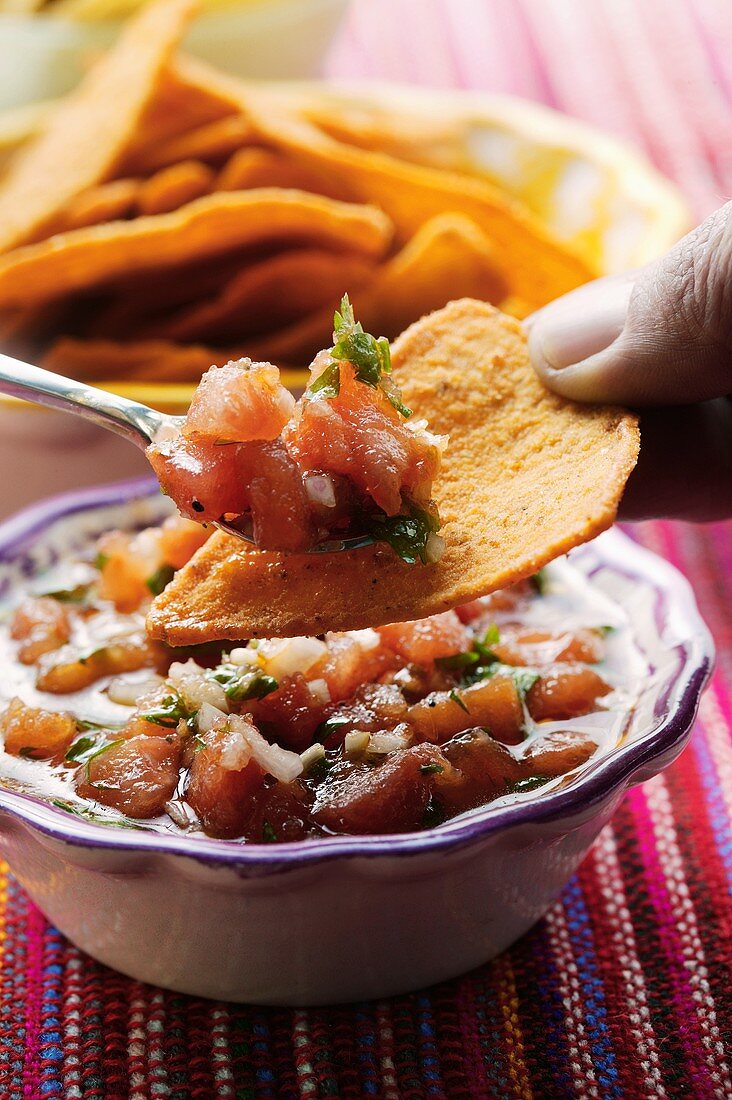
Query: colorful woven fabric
{"points": [[625, 989]]}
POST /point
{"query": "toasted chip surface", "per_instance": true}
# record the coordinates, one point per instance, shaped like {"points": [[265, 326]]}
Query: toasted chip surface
{"points": [[87, 133], [206, 227], [527, 476]]}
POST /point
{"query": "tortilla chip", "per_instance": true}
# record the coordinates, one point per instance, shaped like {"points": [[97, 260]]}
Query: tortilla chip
{"points": [[448, 256], [89, 129], [210, 142], [104, 203], [257, 167], [152, 360], [208, 226], [175, 186], [535, 264], [527, 476], [267, 294]]}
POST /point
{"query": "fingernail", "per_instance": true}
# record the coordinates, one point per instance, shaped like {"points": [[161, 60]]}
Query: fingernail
{"points": [[582, 323]]}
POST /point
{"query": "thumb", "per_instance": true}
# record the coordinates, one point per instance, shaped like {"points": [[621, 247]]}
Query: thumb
{"points": [[659, 336]]}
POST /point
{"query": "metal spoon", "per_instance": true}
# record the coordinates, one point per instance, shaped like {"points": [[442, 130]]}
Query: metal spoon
{"points": [[135, 422]]}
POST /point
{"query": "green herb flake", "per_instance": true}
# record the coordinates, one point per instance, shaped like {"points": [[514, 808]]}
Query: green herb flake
{"points": [[539, 581], [327, 384], [319, 769], [78, 594], [160, 579], [433, 815], [269, 836], [82, 749], [476, 661], [530, 783], [431, 769], [330, 726], [170, 711], [456, 699], [100, 560], [242, 682], [406, 534], [607, 629]]}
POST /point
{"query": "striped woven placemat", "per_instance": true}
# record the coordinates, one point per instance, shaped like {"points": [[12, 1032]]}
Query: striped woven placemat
{"points": [[624, 990]]}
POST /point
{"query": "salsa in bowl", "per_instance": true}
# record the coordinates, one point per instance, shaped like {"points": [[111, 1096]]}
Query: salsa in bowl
{"points": [[461, 765]]}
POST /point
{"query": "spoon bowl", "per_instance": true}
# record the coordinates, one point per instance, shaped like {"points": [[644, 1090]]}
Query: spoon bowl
{"points": [[134, 421]]}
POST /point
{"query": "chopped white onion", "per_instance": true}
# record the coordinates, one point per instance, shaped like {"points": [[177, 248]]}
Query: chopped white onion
{"points": [[281, 763], [180, 813], [287, 656], [387, 742], [320, 691], [244, 656], [190, 680], [237, 750], [434, 548], [127, 690], [367, 639], [356, 742], [312, 755], [319, 490], [207, 717]]}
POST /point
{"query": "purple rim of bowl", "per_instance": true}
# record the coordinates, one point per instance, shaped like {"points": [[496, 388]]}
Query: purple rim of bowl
{"points": [[611, 772]]}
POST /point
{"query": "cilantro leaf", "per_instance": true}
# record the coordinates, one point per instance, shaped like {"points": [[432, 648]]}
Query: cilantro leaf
{"points": [[371, 357], [242, 682], [327, 384], [460, 702], [84, 748], [529, 783], [169, 712], [160, 579], [406, 534]]}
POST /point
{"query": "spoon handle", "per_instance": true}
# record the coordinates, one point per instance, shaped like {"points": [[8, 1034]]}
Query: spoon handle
{"points": [[135, 422]]}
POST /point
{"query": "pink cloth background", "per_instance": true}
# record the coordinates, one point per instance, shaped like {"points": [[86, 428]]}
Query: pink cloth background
{"points": [[655, 72]]}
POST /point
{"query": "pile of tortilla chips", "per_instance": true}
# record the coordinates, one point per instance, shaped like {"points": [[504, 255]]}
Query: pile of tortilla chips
{"points": [[165, 217]]}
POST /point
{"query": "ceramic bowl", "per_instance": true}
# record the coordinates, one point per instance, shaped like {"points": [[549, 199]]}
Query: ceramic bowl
{"points": [[340, 918]]}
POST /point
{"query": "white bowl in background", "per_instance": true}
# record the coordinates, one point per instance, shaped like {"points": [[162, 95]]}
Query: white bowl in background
{"points": [[42, 57]]}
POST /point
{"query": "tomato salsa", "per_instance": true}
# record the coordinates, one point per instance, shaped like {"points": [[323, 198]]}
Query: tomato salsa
{"points": [[346, 460], [388, 730]]}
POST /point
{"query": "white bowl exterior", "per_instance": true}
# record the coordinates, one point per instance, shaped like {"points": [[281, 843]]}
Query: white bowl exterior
{"points": [[343, 930]]}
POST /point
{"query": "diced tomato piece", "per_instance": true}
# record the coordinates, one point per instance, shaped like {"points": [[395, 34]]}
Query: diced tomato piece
{"points": [[390, 798], [280, 515], [136, 776], [204, 479], [359, 434], [566, 691], [280, 812], [42, 624], [537, 647], [493, 704], [126, 564], [222, 783], [558, 752], [374, 707], [481, 769], [427, 639], [239, 402], [352, 661], [67, 670], [179, 540], [289, 715], [36, 733]]}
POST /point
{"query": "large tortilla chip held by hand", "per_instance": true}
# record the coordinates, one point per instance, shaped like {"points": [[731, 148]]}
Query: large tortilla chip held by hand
{"points": [[526, 476], [87, 133]]}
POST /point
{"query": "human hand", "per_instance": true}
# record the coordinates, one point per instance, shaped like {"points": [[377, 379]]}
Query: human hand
{"points": [[659, 340]]}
